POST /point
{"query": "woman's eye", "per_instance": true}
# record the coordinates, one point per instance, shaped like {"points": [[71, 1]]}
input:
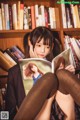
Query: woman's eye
{"points": [[47, 47], [39, 45]]}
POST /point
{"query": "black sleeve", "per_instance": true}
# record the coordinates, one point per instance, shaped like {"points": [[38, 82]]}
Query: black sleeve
{"points": [[10, 95]]}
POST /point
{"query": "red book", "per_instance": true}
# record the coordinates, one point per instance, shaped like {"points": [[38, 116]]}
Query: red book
{"points": [[33, 17]]}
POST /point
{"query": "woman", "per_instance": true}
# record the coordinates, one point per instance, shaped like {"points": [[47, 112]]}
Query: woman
{"points": [[40, 43]]}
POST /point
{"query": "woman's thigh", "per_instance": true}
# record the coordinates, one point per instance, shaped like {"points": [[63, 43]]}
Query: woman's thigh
{"points": [[66, 103]]}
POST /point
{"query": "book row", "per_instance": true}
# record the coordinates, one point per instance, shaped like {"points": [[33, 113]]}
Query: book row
{"points": [[21, 16], [70, 15], [74, 45]]}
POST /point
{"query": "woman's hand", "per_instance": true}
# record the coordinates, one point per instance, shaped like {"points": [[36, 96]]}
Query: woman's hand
{"points": [[70, 68], [31, 50]]}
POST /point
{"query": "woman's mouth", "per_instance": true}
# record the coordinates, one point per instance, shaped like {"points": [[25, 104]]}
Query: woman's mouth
{"points": [[41, 55]]}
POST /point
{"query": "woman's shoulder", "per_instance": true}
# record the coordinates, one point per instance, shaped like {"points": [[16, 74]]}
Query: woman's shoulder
{"points": [[14, 68]]}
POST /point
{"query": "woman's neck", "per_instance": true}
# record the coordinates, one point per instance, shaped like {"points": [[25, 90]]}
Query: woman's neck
{"points": [[36, 74]]}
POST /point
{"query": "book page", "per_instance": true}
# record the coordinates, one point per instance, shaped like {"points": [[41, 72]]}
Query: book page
{"points": [[32, 69], [61, 61]]}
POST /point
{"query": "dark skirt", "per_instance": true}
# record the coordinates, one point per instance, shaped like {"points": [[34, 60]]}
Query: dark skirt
{"points": [[58, 114]]}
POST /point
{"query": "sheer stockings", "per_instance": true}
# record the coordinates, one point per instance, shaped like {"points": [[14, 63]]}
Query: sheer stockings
{"points": [[46, 86], [34, 101]]}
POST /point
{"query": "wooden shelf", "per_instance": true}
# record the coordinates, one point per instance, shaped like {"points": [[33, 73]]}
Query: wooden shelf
{"points": [[71, 29]]}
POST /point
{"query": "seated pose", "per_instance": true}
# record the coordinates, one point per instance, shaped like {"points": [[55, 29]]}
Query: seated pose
{"points": [[51, 91]]}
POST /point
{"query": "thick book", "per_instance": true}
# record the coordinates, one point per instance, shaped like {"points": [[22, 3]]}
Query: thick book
{"points": [[33, 68], [16, 52], [6, 62]]}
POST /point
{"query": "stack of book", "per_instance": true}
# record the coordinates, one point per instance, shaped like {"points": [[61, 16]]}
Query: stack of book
{"points": [[10, 57]]}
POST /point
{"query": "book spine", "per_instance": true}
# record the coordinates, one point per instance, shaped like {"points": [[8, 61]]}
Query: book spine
{"points": [[63, 15], [46, 16], [54, 17], [21, 15], [10, 58], [16, 51], [25, 19], [5, 63], [14, 13], [68, 17], [33, 17], [18, 15], [0, 20], [43, 15], [6, 11], [29, 17], [36, 15], [3, 16], [10, 17], [11, 55], [74, 15]]}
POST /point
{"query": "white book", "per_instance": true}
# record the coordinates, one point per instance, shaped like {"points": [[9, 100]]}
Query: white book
{"points": [[43, 15], [14, 13], [0, 20], [63, 16], [6, 12], [36, 15], [3, 16], [52, 17]]}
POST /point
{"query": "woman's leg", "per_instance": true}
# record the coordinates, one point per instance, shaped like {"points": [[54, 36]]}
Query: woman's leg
{"points": [[46, 86], [69, 84], [69, 90]]}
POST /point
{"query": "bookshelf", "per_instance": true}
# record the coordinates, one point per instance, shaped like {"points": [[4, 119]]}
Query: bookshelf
{"points": [[8, 38]]}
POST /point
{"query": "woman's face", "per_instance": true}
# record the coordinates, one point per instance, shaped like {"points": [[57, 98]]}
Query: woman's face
{"points": [[34, 68], [41, 50]]}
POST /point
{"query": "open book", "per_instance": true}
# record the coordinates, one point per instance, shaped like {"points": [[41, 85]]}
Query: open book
{"points": [[33, 68]]}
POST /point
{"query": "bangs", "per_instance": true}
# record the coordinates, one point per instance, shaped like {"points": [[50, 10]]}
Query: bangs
{"points": [[46, 41]]}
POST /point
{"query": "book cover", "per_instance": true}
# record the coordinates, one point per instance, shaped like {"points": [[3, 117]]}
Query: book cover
{"points": [[33, 68]]}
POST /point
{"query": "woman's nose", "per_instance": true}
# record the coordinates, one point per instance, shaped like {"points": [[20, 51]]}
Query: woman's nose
{"points": [[43, 49]]}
